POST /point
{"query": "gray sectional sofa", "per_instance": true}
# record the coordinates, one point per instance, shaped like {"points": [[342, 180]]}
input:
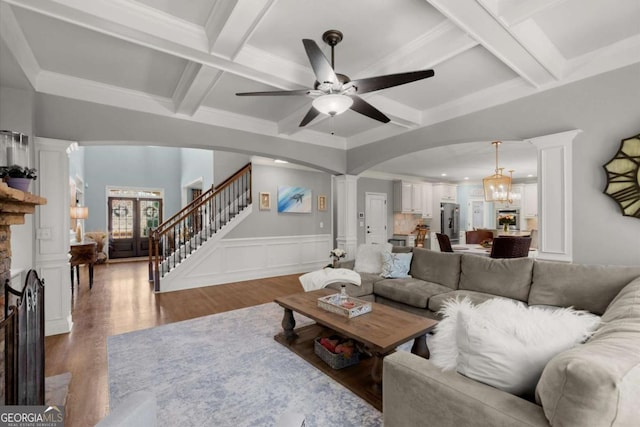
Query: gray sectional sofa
{"points": [[594, 384]]}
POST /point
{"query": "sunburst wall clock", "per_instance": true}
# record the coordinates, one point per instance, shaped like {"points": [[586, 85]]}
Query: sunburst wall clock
{"points": [[623, 177]]}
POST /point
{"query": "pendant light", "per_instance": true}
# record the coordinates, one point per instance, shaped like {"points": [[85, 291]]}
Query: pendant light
{"points": [[497, 187]]}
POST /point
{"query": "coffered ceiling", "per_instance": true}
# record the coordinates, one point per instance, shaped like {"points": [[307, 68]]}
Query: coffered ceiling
{"points": [[187, 59]]}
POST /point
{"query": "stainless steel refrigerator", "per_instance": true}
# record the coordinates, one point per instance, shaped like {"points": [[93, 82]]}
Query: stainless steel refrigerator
{"points": [[450, 221]]}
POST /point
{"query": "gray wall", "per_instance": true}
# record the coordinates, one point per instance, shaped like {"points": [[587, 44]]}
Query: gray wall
{"points": [[225, 164], [196, 164], [16, 114], [270, 222], [372, 185], [157, 167]]}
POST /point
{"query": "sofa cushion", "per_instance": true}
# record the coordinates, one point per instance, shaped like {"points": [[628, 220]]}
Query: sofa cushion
{"points": [[369, 257], [410, 291], [626, 305], [436, 302], [436, 267], [598, 383], [585, 287], [509, 278], [365, 288]]}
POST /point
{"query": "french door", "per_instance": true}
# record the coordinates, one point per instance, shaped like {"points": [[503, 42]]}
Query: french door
{"points": [[129, 222]]}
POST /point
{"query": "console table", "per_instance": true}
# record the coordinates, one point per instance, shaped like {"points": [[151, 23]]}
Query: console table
{"points": [[83, 253]]}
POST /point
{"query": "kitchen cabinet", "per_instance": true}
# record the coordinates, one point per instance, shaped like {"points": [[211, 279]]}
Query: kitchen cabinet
{"points": [[407, 197], [445, 193], [427, 200], [530, 200]]}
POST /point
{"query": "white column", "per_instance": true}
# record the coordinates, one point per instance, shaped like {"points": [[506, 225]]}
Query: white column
{"points": [[346, 213], [555, 195], [52, 233]]}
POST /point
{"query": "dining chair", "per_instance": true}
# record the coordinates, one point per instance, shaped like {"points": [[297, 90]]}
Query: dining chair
{"points": [[510, 247], [477, 236], [444, 242]]}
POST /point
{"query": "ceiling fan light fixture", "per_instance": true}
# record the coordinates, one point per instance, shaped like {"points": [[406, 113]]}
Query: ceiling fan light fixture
{"points": [[332, 104]]}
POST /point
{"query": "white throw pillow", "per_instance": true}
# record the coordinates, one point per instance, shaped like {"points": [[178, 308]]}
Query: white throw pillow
{"points": [[396, 266], [369, 257], [507, 344]]}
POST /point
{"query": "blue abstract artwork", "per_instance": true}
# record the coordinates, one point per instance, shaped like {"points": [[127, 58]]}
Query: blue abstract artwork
{"points": [[294, 199]]}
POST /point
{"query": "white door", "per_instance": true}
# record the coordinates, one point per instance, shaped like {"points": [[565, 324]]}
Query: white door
{"points": [[475, 214], [375, 218]]}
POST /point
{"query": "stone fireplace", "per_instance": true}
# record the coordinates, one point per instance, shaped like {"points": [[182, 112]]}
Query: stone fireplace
{"points": [[14, 205]]}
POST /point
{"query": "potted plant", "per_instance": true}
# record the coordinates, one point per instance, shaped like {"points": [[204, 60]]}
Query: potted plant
{"points": [[18, 177]]}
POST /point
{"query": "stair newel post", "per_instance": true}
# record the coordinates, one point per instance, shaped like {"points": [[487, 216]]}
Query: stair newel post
{"points": [[250, 184], [156, 273], [151, 254]]}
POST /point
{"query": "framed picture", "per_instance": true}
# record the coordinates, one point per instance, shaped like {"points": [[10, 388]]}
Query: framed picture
{"points": [[322, 202], [294, 199], [265, 201]]}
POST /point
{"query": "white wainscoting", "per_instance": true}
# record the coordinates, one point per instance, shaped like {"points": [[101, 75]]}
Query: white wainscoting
{"points": [[233, 260]]}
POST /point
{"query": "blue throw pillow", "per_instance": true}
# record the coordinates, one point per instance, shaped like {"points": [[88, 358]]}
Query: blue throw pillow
{"points": [[396, 266]]}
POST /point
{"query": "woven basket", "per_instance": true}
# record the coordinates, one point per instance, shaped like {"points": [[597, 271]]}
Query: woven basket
{"points": [[336, 361]]}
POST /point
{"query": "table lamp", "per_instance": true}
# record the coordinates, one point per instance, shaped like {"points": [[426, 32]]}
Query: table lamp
{"points": [[78, 213]]}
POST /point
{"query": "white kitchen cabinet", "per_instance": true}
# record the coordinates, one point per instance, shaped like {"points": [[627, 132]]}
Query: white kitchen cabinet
{"points": [[427, 200], [445, 192], [407, 197], [530, 200]]}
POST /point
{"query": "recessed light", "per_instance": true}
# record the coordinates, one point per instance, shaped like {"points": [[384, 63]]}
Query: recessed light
{"points": [[529, 176], [466, 178], [443, 174], [280, 161]]}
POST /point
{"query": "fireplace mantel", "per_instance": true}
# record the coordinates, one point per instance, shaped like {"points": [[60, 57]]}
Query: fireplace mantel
{"points": [[14, 205]]}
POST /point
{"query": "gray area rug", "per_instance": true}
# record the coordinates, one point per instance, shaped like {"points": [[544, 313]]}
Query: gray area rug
{"points": [[56, 388], [227, 370]]}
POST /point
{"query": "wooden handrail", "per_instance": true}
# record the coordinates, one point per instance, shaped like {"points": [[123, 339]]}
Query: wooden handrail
{"points": [[234, 176], [211, 199]]}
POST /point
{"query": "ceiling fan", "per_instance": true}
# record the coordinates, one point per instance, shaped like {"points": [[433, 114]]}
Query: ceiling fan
{"points": [[335, 93]]}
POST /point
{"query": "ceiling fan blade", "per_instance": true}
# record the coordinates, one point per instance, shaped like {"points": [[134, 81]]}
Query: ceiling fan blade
{"points": [[311, 114], [277, 93], [371, 84], [320, 64], [363, 107]]}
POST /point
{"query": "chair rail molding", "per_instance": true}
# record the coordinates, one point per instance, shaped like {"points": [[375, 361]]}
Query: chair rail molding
{"points": [[346, 190], [52, 233], [555, 195]]}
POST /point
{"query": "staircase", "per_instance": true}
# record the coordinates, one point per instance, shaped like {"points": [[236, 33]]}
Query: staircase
{"points": [[185, 232]]}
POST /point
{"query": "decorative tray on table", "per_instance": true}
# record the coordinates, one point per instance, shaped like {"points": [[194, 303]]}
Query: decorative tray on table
{"points": [[351, 307]]}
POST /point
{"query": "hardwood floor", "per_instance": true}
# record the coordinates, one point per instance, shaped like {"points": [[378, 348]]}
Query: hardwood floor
{"points": [[121, 301]]}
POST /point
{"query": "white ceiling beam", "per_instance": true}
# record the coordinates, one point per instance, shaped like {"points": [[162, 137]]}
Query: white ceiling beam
{"points": [[617, 55], [147, 27], [531, 36], [233, 28], [272, 65], [13, 36], [194, 86], [433, 47], [472, 18], [512, 12], [220, 12]]}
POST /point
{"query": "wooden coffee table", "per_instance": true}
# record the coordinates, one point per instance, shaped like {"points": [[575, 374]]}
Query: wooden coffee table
{"points": [[381, 331]]}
